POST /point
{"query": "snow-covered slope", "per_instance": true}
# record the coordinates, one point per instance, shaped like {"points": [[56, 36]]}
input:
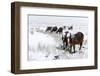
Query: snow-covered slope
{"points": [[47, 46]]}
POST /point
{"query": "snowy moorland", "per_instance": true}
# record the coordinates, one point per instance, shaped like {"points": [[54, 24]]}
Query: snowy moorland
{"points": [[48, 46]]}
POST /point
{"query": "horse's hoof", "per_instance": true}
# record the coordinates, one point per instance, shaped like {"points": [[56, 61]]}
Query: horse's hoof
{"points": [[74, 52], [70, 52], [63, 48]]}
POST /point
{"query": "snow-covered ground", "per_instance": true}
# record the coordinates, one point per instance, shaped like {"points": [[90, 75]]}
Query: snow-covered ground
{"points": [[47, 46]]}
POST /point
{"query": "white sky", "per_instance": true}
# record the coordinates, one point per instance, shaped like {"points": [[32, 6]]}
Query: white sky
{"points": [[57, 20]]}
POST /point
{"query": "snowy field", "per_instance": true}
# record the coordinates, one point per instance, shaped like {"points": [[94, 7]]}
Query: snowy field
{"points": [[47, 46]]}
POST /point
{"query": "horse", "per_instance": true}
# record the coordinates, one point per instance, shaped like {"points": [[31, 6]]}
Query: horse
{"points": [[75, 39], [54, 29], [48, 28], [60, 30], [70, 28], [65, 39]]}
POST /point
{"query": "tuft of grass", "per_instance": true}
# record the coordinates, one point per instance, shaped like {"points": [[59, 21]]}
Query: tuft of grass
{"points": [[67, 48]]}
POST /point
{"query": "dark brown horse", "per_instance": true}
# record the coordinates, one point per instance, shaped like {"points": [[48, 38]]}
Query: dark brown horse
{"points": [[76, 39], [54, 29]]}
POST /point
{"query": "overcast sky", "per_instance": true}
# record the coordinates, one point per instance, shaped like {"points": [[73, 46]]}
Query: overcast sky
{"points": [[57, 20]]}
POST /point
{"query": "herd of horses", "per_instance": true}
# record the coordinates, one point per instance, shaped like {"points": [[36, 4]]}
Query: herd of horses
{"points": [[57, 30], [69, 41]]}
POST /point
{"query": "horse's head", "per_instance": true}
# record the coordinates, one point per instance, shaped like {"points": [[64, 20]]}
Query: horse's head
{"points": [[65, 35], [65, 38], [64, 27]]}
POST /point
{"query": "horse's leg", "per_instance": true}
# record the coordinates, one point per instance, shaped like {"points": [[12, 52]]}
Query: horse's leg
{"points": [[74, 48], [80, 45], [70, 48], [64, 45]]}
